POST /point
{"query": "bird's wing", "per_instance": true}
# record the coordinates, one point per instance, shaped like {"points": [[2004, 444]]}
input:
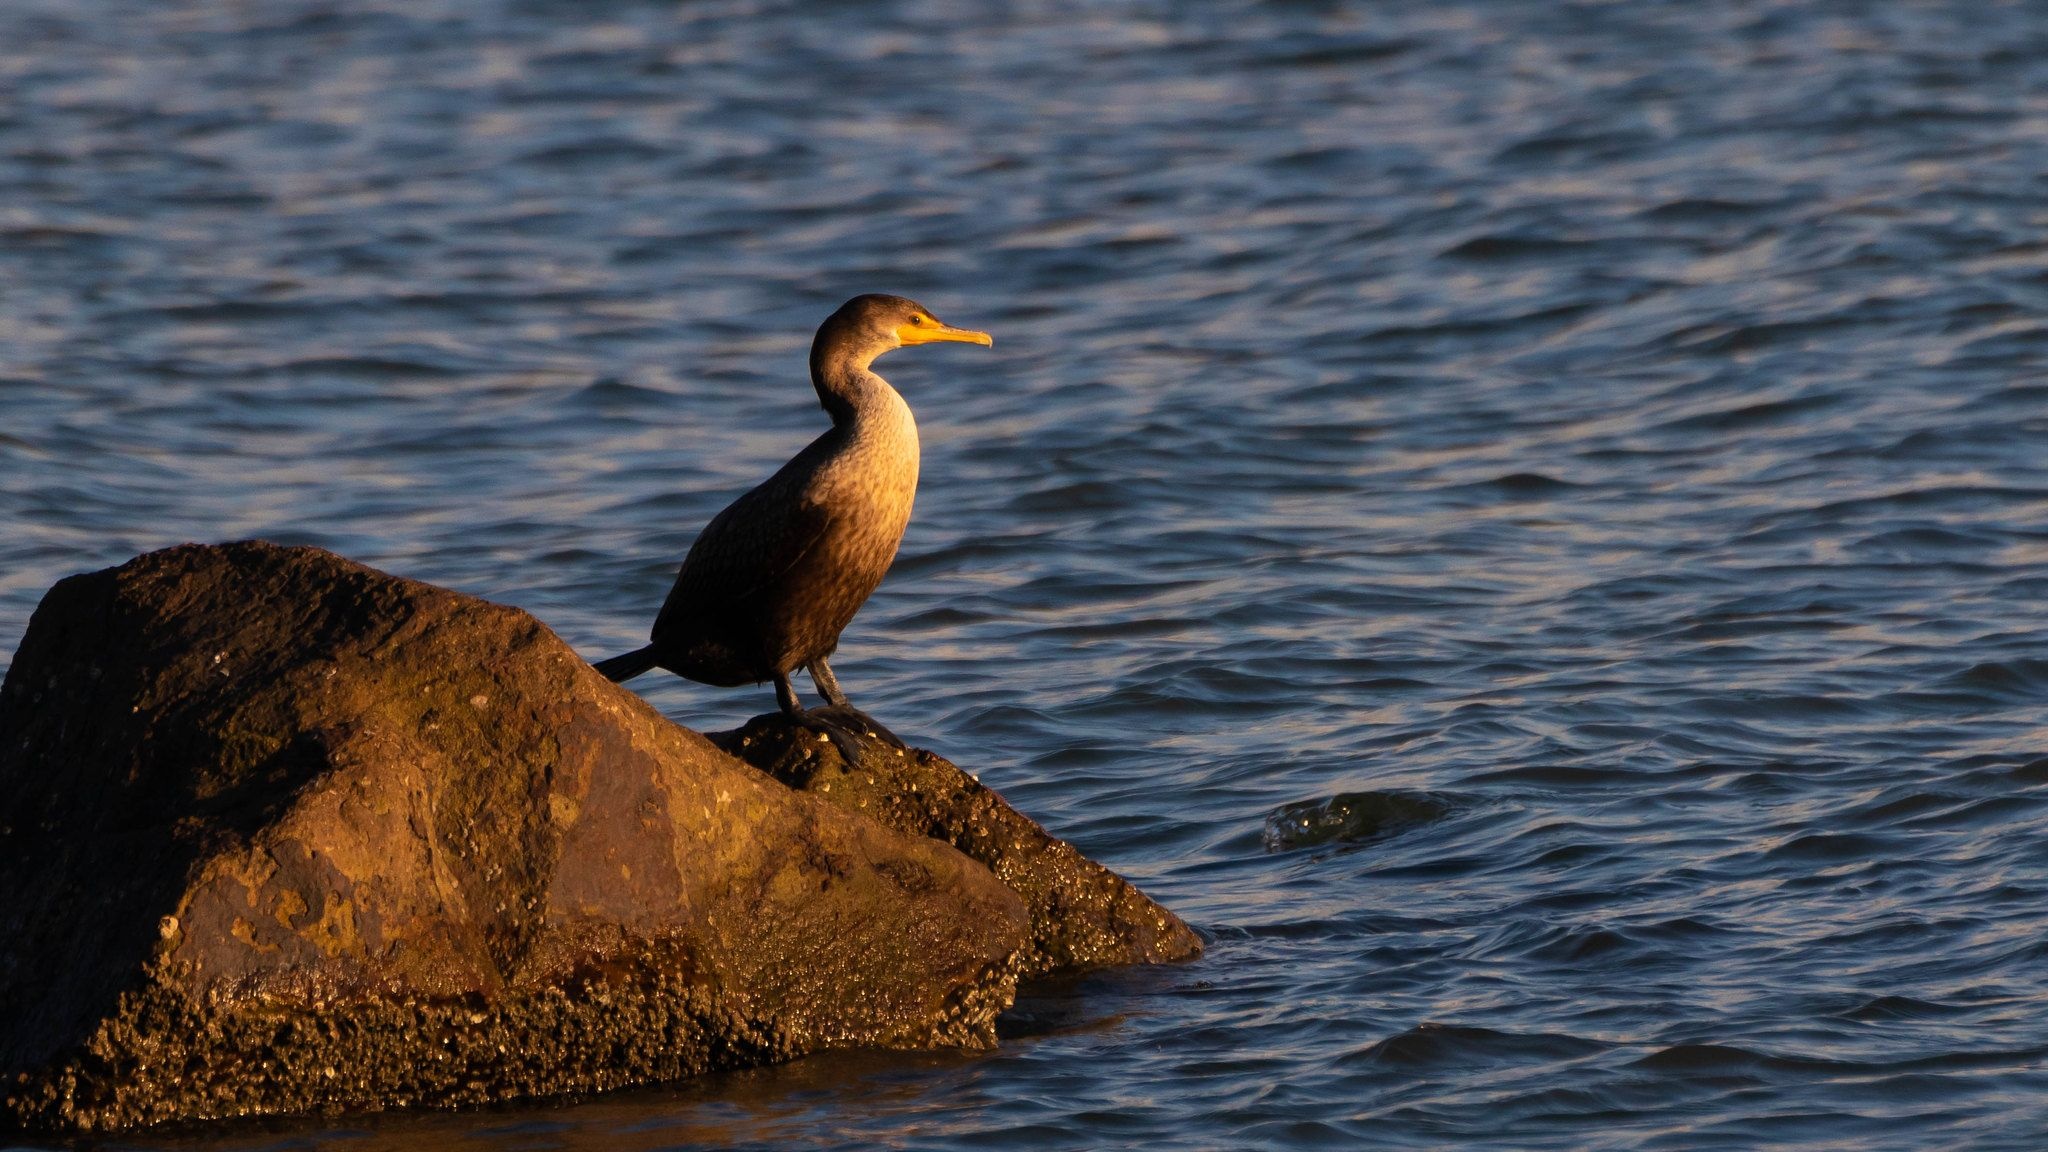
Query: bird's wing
{"points": [[744, 551]]}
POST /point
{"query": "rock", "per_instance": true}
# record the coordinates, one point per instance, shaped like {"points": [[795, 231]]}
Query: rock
{"points": [[1083, 916], [279, 833]]}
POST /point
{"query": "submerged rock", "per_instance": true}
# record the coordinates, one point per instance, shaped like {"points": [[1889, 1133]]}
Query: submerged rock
{"points": [[1349, 818], [279, 833], [1083, 916]]}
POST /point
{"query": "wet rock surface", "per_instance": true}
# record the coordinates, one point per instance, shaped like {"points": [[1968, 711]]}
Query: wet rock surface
{"points": [[1350, 818], [1083, 916], [279, 832]]}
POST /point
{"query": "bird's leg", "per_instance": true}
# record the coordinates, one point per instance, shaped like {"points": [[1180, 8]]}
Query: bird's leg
{"points": [[837, 703], [844, 736], [828, 684], [785, 696]]}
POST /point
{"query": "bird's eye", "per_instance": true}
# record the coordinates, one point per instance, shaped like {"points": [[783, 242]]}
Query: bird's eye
{"points": [[920, 319]]}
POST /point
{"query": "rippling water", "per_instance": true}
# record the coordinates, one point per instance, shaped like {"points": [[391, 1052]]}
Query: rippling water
{"points": [[1526, 522]]}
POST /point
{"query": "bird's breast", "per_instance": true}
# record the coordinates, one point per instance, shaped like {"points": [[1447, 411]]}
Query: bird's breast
{"points": [[871, 483]]}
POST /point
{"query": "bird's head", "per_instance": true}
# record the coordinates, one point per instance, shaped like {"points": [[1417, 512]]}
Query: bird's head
{"points": [[867, 326]]}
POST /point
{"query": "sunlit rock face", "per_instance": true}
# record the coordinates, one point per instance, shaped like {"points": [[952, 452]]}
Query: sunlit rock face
{"points": [[279, 832]]}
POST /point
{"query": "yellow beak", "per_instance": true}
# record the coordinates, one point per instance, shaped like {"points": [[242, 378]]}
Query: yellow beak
{"points": [[908, 334]]}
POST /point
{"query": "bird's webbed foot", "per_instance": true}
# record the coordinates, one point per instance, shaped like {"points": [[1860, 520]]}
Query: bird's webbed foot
{"points": [[866, 727], [850, 730], [841, 709], [848, 741]]}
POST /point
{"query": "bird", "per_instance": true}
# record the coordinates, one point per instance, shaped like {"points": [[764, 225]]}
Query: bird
{"points": [[772, 580]]}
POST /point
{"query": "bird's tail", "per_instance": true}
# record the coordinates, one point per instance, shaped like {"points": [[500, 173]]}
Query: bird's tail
{"points": [[627, 665]]}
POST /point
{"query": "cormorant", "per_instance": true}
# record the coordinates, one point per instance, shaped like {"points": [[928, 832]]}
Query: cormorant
{"points": [[773, 579]]}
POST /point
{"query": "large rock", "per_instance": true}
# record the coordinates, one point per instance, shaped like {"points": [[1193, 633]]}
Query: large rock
{"points": [[279, 832]]}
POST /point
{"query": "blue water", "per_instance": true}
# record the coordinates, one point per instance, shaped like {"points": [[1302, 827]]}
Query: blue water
{"points": [[1589, 460]]}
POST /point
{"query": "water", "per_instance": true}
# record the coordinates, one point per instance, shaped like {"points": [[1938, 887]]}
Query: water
{"points": [[1590, 456]]}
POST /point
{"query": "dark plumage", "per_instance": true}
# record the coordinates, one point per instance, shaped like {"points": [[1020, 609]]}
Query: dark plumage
{"points": [[773, 579]]}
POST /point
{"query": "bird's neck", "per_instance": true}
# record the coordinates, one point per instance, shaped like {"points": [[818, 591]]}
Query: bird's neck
{"points": [[872, 449], [849, 391]]}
